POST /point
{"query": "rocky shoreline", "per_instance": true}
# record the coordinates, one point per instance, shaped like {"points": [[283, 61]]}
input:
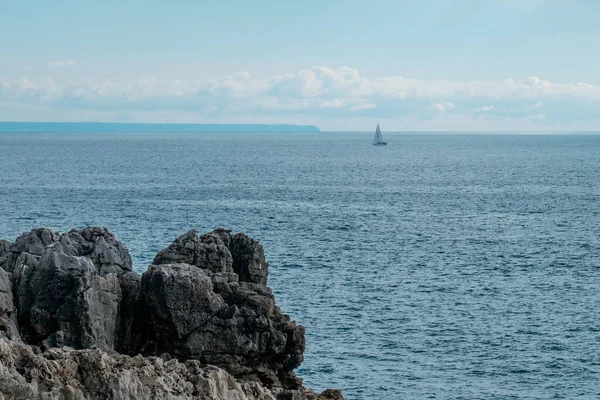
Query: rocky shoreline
{"points": [[76, 322]]}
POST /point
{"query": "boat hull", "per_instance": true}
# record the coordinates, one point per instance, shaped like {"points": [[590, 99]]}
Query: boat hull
{"points": [[380, 144]]}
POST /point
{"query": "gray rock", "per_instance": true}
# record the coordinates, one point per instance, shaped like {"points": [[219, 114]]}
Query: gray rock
{"points": [[207, 252], [248, 259], [66, 286], [33, 242], [180, 303], [99, 245], [96, 243], [8, 312], [91, 374], [63, 301], [4, 251], [204, 300], [219, 251], [131, 321], [197, 309]]}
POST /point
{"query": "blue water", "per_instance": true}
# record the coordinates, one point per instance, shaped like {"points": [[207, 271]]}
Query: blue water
{"points": [[440, 266]]}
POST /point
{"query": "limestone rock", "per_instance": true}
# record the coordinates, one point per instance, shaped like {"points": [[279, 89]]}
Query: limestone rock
{"points": [[203, 301], [99, 245], [62, 301], [33, 242], [197, 309], [8, 312], [64, 373], [248, 259], [96, 243], [180, 303], [66, 286], [207, 252], [219, 251], [331, 394], [131, 324], [4, 251]]}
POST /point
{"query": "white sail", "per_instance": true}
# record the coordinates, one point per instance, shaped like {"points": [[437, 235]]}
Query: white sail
{"points": [[378, 139]]}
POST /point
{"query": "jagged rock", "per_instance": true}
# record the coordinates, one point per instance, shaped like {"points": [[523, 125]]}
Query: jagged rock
{"points": [[332, 394], [96, 243], [62, 301], [66, 287], [219, 251], [207, 252], [248, 259], [64, 373], [33, 242], [92, 374], [180, 303], [198, 310], [8, 313], [101, 247], [4, 251], [203, 301]]}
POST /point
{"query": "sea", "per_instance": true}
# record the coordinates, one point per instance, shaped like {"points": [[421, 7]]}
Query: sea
{"points": [[440, 266]]}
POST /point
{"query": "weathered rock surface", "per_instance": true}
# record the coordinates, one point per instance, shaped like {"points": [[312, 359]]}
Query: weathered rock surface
{"points": [[8, 312], [66, 287], [200, 308], [248, 259], [203, 301], [63, 373], [4, 251], [208, 252], [95, 243], [131, 326]]}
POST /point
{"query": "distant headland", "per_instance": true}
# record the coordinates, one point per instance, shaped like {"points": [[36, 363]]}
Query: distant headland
{"points": [[115, 127]]}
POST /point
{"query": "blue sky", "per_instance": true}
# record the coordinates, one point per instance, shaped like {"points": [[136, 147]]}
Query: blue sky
{"points": [[427, 65]]}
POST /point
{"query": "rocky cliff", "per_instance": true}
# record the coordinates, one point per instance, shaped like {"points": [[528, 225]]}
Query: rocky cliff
{"points": [[76, 322]]}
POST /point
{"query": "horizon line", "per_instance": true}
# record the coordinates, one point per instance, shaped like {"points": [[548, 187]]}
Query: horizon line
{"points": [[310, 128]]}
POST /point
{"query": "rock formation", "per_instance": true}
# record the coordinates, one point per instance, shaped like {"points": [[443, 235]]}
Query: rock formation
{"points": [[77, 322]]}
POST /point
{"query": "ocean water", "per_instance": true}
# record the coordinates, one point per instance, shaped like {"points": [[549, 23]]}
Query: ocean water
{"points": [[443, 266]]}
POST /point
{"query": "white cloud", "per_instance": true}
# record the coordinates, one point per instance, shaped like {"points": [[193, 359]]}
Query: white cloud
{"points": [[58, 64], [536, 106], [366, 106], [438, 107], [484, 109], [336, 103], [319, 93], [448, 106]]}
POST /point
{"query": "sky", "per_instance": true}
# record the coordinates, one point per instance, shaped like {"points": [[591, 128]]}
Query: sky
{"points": [[489, 65]]}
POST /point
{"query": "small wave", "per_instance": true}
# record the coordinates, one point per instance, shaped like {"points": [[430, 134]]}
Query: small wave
{"points": [[291, 266]]}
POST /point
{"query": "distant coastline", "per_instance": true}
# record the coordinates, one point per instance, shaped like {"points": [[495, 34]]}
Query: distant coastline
{"points": [[110, 127]]}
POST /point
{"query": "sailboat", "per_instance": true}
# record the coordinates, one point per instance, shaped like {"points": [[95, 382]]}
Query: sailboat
{"points": [[378, 139]]}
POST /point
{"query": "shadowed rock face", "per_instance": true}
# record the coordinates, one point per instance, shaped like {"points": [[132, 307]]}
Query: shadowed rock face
{"points": [[8, 312], [207, 299], [248, 259], [204, 299], [67, 290], [4, 251]]}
